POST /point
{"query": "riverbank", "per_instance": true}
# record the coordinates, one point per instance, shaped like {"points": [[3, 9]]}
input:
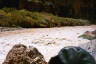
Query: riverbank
{"points": [[48, 41]]}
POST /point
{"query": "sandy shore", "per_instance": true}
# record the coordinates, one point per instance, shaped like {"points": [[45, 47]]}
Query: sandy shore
{"points": [[48, 41]]}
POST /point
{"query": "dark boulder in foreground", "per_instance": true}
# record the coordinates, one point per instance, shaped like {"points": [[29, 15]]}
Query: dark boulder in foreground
{"points": [[72, 55], [20, 54]]}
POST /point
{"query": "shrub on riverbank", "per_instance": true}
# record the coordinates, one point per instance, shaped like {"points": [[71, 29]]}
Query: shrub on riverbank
{"points": [[27, 19]]}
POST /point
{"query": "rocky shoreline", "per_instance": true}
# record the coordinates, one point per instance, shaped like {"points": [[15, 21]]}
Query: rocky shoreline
{"points": [[4, 29], [48, 41]]}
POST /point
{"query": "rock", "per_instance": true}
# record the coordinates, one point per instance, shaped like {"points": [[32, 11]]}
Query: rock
{"points": [[89, 35], [72, 55], [20, 54], [90, 47], [4, 29]]}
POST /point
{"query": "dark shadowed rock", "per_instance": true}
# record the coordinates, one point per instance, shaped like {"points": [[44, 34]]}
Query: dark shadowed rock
{"points": [[72, 55], [20, 54]]}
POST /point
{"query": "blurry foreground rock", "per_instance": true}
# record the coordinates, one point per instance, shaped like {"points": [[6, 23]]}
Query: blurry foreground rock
{"points": [[89, 35], [72, 55], [20, 54]]}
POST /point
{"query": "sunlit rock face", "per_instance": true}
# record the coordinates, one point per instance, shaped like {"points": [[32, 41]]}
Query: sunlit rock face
{"points": [[20, 54]]}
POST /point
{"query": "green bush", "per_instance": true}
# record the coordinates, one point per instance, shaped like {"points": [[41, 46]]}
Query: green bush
{"points": [[2, 12], [8, 9], [27, 19]]}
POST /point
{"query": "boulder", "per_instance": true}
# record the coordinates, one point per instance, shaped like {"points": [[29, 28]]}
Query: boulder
{"points": [[73, 55], [20, 54], [90, 35]]}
